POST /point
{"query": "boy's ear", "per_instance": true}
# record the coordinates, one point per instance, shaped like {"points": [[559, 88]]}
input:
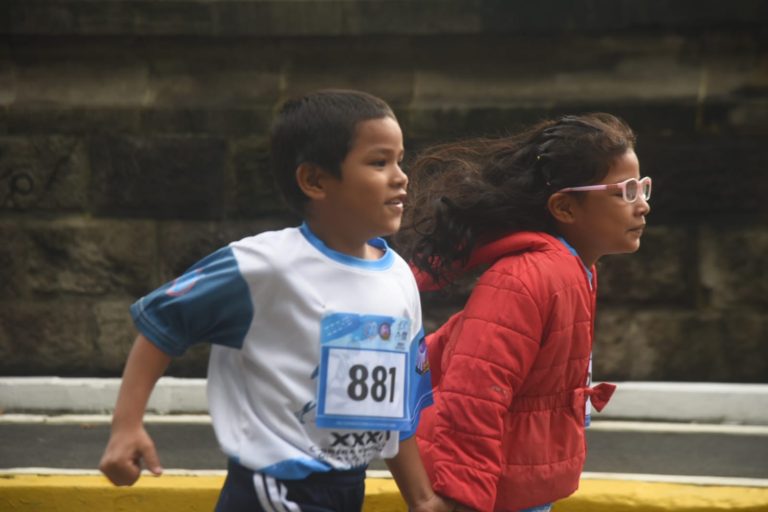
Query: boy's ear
{"points": [[310, 178], [561, 207]]}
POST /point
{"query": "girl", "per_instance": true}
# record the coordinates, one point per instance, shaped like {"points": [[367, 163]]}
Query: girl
{"points": [[510, 371]]}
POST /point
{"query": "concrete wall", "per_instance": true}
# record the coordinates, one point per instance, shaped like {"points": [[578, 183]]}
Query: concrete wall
{"points": [[132, 142]]}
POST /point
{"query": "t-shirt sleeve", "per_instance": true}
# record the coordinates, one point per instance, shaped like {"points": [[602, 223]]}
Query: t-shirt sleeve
{"points": [[210, 302], [420, 395], [420, 392]]}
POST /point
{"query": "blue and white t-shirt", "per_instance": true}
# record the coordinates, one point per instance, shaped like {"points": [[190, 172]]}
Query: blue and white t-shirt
{"points": [[318, 359]]}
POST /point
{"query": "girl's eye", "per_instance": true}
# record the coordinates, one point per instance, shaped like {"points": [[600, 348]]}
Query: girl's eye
{"points": [[380, 163]]}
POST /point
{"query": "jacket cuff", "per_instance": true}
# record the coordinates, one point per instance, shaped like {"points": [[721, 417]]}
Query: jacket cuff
{"points": [[471, 487]]}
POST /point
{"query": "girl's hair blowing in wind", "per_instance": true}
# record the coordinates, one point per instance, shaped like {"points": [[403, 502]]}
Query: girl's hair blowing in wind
{"points": [[471, 191]]}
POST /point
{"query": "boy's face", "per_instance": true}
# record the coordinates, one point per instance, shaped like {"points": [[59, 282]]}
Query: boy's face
{"points": [[368, 200]]}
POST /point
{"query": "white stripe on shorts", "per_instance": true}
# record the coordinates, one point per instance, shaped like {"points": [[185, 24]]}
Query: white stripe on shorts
{"points": [[272, 494]]}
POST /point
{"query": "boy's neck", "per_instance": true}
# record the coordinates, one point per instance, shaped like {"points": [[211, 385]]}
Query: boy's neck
{"points": [[357, 247]]}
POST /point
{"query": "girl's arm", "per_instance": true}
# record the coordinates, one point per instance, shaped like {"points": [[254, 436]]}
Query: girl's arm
{"points": [[129, 444], [412, 480], [492, 351]]}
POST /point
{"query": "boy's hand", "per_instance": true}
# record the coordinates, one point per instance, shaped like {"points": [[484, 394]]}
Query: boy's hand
{"points": [[123, 456]]}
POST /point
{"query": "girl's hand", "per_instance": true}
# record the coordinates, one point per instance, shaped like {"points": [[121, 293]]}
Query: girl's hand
{"points": [[439, 504]]}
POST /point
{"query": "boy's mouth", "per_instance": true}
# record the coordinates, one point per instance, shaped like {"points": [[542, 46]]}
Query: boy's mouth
{"points": [[396, 201]]}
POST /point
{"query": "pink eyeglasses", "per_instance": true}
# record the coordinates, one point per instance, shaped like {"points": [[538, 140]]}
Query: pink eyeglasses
{"points": [[631, 189]]}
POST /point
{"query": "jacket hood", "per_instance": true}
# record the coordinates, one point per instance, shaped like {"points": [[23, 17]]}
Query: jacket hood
{"points": [[490, 252]]}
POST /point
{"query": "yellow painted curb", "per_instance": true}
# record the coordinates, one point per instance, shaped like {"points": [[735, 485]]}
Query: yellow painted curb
{"points": [[31, 493], [632, 496]]}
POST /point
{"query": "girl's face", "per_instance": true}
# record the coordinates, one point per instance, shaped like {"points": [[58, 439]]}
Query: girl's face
{"points": [[603, 222]]}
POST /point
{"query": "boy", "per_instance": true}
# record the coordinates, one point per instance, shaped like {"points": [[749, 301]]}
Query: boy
{"points": [[305, 386]]}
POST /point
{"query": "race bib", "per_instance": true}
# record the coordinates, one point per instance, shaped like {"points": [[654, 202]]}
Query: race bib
{"points": [[363, 378]]}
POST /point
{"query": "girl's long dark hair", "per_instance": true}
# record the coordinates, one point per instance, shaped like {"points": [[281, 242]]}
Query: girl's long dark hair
{"points": [[465, 192]]}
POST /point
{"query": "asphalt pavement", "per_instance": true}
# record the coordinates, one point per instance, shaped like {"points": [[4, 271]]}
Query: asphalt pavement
{"points": [[686, 429], [613, 447]]}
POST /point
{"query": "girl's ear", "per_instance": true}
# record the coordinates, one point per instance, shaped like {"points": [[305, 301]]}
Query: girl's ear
{"points": [[561, 207], [310, 179]]}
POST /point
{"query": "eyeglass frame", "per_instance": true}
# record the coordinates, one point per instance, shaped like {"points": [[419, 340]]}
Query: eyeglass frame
{"points": [[622, 185]]}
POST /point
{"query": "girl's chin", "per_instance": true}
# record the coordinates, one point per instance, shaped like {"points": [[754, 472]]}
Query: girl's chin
{"points": [[633, 246]]}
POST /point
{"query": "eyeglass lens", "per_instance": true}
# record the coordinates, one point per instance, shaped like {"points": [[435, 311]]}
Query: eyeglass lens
{"points": [[633, 187], [630, 190]]}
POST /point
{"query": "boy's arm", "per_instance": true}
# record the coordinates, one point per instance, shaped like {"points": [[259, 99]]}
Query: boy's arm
{"points": [[412, 480], [129, 443]]}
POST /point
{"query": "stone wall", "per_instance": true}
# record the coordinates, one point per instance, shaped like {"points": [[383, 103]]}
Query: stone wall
{"points": [[132, 142]]}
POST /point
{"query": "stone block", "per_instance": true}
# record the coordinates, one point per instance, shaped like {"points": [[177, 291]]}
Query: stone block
{"points": [[336, 63], [78, 257], [51, 337], [183, 243], [685, 16], [492, 70], [227, 74], [161, 177], [336, 17], [271, 18], [254, 192], [7, 78], [750, 115], [705, 177], [662, 271], [117, 17], [200, 121], [113, 336], [681, 345], [405, 17], [163, 18], [622, 346], [58, 120], [43, 173], [439, 123], [732, 68], [78, 75], [733, 266]]}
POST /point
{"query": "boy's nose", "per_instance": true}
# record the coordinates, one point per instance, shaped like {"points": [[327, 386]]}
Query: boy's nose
{"points": [[401, 179]]}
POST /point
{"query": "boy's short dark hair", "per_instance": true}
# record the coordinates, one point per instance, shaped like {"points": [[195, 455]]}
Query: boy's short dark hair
{"points": [[318, 128]]}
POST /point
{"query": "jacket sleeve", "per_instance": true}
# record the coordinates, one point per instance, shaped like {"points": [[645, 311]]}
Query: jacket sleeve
{"points": [[491, 352]]}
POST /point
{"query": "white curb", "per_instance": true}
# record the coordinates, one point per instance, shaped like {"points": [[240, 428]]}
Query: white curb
{"points": [[85, 395], [745, 404], [689, 402]]}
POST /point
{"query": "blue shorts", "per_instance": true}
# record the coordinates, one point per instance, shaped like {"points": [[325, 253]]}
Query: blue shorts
{"points": [[248, 491]]}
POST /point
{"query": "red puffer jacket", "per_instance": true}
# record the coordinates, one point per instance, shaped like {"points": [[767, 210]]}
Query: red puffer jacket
{"points": [[509, 373]]}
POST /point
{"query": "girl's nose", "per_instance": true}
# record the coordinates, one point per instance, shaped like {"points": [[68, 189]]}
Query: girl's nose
{"points": [[643, 205]]}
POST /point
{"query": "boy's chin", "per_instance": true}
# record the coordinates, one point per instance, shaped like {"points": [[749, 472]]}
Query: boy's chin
{"points": [[391, 230]]}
